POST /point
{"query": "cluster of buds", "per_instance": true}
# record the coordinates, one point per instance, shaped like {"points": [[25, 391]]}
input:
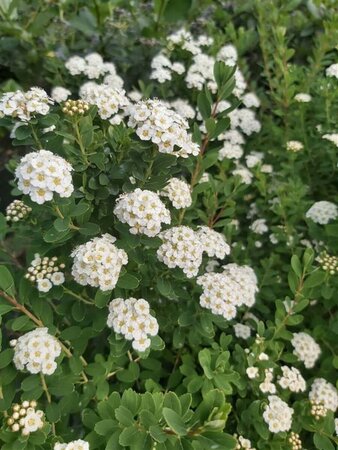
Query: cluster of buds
{"points": [[17, 210], [73, 107], [328, 263], [25, 418], [294, 439], [46, 272], [318, 410]]}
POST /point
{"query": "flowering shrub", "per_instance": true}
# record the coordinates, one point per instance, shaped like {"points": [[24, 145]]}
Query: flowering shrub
{"points": [[169, 257]]}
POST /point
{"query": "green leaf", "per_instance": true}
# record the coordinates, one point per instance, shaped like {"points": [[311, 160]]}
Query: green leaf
{"points": [[174, 421], [86, 130], [128, 281], [315, 279], [124, 416], [89, 229], [296, 265], [105, 427], [102, 298], [177, 10], [19, 323], [204, 105], [322, 442], [6, 281]]}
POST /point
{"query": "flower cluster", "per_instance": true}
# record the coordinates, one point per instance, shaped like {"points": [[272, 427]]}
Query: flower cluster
{"points": [[163, 68], [303, 98], [292, 379], [36, 352], [26, 418], [181, 248], [322, 212], [332, 71], [93, 67], [24, 105], [185, 40], [295, 441], [318, 410], [277, 415], [165, 128], [60, 94], [79, 444], [333, 137], [267, 386], [323, 392], [98, 262], [73, 107], [132, 318], [17, 210], [242, 331], [224, 292], [183, 108], [228, 54], [243, 444], [244, 119], [294, 146], [213, 243], [42, 173], [178, 192], [109, 100], [143, 211], [328, 262], [306, 349], [201, 72], [45, 272], [259, 226]]}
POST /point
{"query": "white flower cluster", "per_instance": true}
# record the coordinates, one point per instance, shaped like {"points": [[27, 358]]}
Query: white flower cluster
{"points": [[332, 71], [295, 441], [243, 444], [24, 105], [333, 137], [318, 410], [132, 318], [324, 393], [109, 100], [328, 262], [277, 415], [186, 41], [213, 243], [245, 119], [26, 418], [98, 262], [36, 352], [143, 211], [306, 349], [250, 100], [201, 72], [79, 444], [244, 174], [252, 372], [253, 159], [178, 192], [224, 292], [93, 67], [42, 173], [292, 379], [322, 212], [183, 108], [164, 127], [60, 94], [46, 272], [232, 147], [242, 331], [259, 226], [228, 54], [303, 97], [267, 386], [181, 248], [17, 210], [294, 146], [163, 68]]}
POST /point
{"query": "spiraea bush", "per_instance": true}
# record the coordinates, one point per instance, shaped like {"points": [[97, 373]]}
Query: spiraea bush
{"points": [[168, 274]]}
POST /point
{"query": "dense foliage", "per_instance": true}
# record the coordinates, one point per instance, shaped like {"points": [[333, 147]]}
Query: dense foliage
{"points": [[168, 274]]}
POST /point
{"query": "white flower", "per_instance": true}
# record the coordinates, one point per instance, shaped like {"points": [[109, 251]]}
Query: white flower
{"points": [[17, 210], [60, 94], [292, 379], [250, 100], [25, 105], [143, 211], [98, 263], [242, 331], [322, 212], [41, 174], [79, 444], [306, 349], [267, 386], [32, 421], [245, 119], [230, 151], [294, 146], [164, 127], [132, 318], [259, 226], [228, 54], [213, 243], [44, 285], [57, 278], [244, 174], [75, 65], [277, 415], [303, 98], [36, 351], [263, 357], [224, 292], [332, 71], [178, 192], [201, 73], [183, 108], [252, 372], [333, 137], [324, 393]]}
